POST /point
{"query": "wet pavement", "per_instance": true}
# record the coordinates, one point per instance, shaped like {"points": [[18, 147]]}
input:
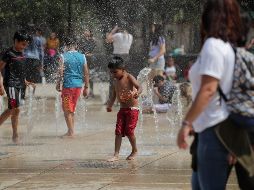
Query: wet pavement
{"points": [[43, 160]]}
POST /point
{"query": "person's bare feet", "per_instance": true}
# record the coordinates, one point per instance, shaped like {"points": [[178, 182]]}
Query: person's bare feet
{"points": [[113, 159], [132, 155], [15, 139], [68, 135]]}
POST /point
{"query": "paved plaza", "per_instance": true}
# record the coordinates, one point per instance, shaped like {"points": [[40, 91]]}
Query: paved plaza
{"points": [[43, 160]]}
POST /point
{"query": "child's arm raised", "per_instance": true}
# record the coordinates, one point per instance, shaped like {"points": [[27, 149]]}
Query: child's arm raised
{"points": [[109, 36], [112, 99], [136, 85]]}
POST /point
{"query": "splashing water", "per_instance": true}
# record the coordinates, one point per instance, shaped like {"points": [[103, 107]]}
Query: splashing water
{"points": [[82, 111], [103, 92], [146, 99], [30, 112], [57, 110], [2, 106], [175, 114], [143, 80], [44, 99], [177, 106]]}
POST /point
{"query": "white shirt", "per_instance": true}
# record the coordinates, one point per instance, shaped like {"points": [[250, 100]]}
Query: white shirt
{"points": [[122, 43], [170, 71], [216, 60]]}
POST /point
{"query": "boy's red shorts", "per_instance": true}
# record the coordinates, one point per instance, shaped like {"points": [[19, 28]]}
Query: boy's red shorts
{"points": [[127, 119], [69, 98]]}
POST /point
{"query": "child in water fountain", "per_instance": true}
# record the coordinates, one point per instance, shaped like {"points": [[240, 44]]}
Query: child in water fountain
{"points": [[126, 89], [73, 69], [164, 89], [14, 79]]}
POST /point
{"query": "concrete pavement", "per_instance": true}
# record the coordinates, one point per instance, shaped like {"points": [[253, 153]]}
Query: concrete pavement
{"points": [[44, 161]]}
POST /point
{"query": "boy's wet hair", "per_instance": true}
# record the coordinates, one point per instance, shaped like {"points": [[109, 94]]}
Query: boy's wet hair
{"points": [[22, 35], [158, 78], [116, 63]]}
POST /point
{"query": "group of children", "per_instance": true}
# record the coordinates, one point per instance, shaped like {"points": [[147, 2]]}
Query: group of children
{"points": [[73, 72]]}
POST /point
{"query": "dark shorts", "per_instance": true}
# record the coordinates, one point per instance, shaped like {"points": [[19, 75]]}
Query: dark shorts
{"points": [[14, 96], [127, 119]]}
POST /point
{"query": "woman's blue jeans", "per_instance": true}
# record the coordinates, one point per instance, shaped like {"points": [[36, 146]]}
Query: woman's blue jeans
{"points": [[213, 165], [194, 181]]}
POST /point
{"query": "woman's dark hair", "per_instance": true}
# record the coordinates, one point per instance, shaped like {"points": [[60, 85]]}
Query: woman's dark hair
{"points": [[22, 35], [221, 19], [158, 32], [116, 63]]}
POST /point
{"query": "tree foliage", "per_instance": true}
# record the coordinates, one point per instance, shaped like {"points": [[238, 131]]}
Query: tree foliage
{"points": [[71, 16], [55, 12]]}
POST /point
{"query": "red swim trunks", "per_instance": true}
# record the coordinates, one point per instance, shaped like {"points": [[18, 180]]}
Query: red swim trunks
{"points": [[69, 98], [127, 119]]}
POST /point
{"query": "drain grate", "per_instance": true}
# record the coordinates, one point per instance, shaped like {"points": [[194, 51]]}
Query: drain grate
{"points": [[25, 144], [102, 164]]}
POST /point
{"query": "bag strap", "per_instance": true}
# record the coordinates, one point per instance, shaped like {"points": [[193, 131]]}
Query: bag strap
{"points": [[222, 95], [220, 91]]}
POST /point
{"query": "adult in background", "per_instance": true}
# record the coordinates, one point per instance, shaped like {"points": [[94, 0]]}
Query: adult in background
{"points": [[51, 57], [122, 42], [33, 58], [221, 27], [157, 51], [87, 47], [43, 42], [42, 39]]}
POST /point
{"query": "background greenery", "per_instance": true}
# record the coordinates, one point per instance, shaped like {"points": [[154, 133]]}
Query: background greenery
{"points": [[69, 17]]}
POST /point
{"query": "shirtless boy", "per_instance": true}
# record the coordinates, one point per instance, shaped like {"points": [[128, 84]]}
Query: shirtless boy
{"points": [[126, 89]]}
